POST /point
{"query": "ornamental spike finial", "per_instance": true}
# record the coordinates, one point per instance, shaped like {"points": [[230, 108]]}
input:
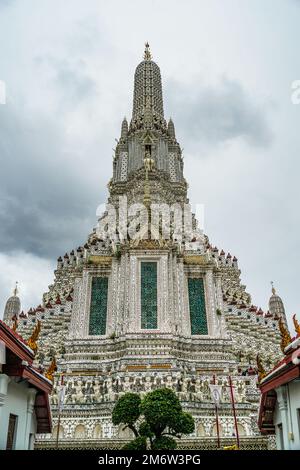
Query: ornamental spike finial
{"points": [[51, 370], [32, 342], [296, 324], [16, 289], [260, 369], [285, 335], [273, 288], [147, 53]]}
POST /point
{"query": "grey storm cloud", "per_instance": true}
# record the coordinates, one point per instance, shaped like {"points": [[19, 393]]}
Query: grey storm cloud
{"points": [[46, 203], [75, 60], [6, 3], [47, 200], [71, 77], [216, 114]]}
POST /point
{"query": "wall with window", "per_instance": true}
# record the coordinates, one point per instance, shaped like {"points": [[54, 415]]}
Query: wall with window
{"points": [[17, 418], [287, 416]]}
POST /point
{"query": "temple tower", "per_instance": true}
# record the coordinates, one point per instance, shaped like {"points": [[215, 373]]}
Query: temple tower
{"points": [[144, 306], [13, 306], [276, 306]]}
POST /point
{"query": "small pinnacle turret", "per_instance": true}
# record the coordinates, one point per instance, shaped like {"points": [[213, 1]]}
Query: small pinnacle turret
{"points": [[276, 306], [171, 129], [124, 129], [147, 91], [13, 306]]}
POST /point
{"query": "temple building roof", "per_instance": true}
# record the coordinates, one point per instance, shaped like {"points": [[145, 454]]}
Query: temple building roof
{"points": [[284, 372], [19, 365]]}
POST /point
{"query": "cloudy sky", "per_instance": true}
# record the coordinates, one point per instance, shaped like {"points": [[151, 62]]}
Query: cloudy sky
{"points": [[227, 67]]}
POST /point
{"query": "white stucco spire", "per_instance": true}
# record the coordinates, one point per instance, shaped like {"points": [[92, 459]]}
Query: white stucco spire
{"points": [[13, 305], [147, 90], [276, 305], [124, 129], [171, 129]]}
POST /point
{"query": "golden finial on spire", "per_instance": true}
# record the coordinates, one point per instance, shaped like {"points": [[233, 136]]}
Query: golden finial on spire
{"points": [[16, 289], [273, 288], [51, 370], [147, 53], [285, 335], [32, 342], [260, 369], [296, 324]]}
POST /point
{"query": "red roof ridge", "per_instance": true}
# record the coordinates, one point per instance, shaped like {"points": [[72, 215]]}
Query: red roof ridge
{"points": [[15, 334]]}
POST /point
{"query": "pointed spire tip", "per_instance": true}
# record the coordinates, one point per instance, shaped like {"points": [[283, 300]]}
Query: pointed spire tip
{"points": [[147, 53], [16, 289], [273, 288]]}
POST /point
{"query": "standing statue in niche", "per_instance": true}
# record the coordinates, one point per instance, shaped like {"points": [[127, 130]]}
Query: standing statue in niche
{"points": [[127, 385], [73, 392], [101, 388], [179, 385], [198, 389], [109, 389], [79, 393], [184, 386], [148, 162], [138, 385], [97, 390], [169, 382]]}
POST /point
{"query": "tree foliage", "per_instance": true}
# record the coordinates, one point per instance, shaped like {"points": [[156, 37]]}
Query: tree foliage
{"points": [[139, 443], [127, 411], [163, 420], [164, 442]]}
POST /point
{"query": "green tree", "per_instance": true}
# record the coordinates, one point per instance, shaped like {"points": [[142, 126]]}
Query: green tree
{"points": [[127, 411], [163, 419]]}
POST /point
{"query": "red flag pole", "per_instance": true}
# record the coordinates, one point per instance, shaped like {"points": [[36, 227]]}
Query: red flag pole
{"points": [[234, 413], [217, 419]]}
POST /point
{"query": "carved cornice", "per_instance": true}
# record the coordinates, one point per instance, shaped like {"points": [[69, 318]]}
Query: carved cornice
{"points": [[100, 260], [148, 244], [197, 260]]}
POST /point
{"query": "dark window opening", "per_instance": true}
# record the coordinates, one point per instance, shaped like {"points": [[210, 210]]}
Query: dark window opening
{"points": [[11, 432]]}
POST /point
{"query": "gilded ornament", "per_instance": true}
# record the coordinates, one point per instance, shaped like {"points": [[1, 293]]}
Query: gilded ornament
{"points": [[260, 369], [285, 335], [51, 370], [32, 342], [296, 324]]}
